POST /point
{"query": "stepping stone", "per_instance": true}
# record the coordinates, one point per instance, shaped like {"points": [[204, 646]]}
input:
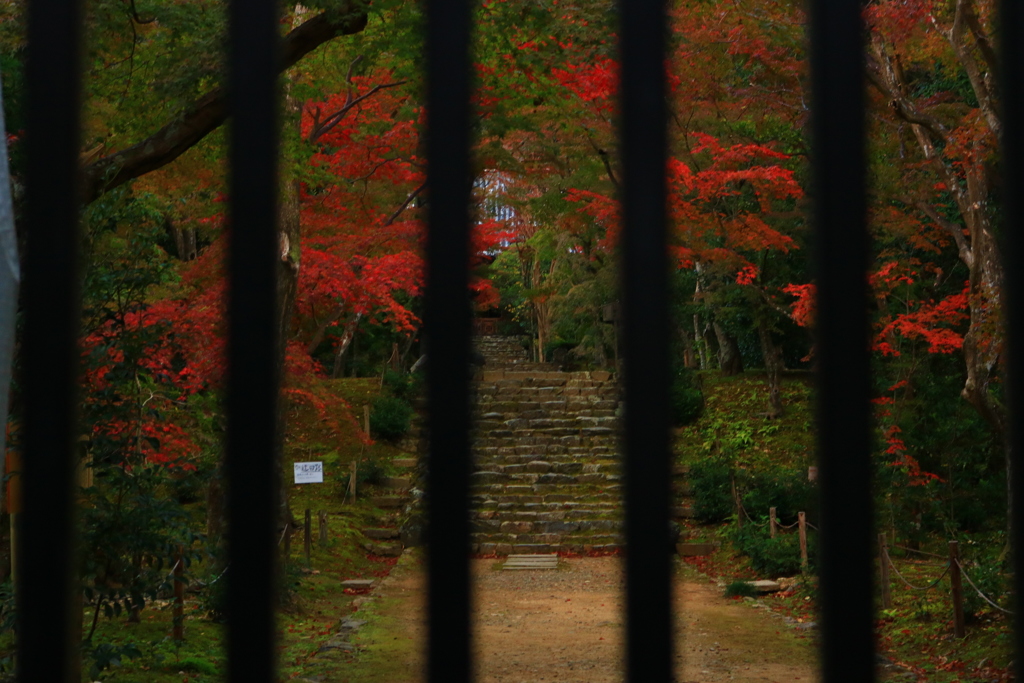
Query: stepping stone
{"points": [[387, 501], [381, 534], [404, 462], [520, 562], [695, 549], [682, 511], [357, 583], [401, 483], [764, 586]]}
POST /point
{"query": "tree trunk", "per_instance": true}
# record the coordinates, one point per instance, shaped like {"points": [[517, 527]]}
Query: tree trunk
{"points": [[773, 367], [729, 358], [346, 340], [689, 360], [700, 334]]}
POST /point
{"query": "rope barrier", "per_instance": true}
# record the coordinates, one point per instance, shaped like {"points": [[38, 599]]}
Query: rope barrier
{"points": [[963, 573], [910, 585], [812, 526], [919, 552], [752, 520]]}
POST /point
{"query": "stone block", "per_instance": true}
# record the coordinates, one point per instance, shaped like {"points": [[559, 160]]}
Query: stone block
{"points": [[516, 527], [357, 583], [488, 548], [563, 479], [387, 501], [531, 548], [381, 534], [538, 466], [695, 549], [600, 375], [400, 483], [503, 548], [477, 478]]}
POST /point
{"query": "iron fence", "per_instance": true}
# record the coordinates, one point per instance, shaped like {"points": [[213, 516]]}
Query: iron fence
{"points": [[47, 633]]}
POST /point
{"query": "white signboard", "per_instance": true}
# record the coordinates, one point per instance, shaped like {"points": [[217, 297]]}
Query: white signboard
{"points": [[309, 473]]}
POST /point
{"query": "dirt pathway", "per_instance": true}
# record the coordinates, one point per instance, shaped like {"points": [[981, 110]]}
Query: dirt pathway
{"points": [[565, 626]]}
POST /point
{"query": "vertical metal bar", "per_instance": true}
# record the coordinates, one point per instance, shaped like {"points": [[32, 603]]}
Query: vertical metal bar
{"points": [[46, 650], [252, 341], [645, 297], [1012, 94], [447, 322], [843, 381]]}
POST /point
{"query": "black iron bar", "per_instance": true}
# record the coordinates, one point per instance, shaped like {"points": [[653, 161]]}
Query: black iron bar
{"points": [[645, 297], [447, 330], [253, 371], [46, 635], [842, 350], [1012, 45]]}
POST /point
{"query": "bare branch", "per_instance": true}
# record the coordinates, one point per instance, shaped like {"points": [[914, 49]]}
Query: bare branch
{"points": [[954, 231], [335, 118], [207, 113], [405, 204], [966, 59]]}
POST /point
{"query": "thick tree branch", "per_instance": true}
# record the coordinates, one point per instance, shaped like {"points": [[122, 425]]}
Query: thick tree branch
{"points": [[961, 21], [405, 204], [882, 76], [954, 231], [210, 111], [334, 119]]}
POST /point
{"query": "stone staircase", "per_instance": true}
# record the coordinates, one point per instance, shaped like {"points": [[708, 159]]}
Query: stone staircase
{"points": [[547, 473]]}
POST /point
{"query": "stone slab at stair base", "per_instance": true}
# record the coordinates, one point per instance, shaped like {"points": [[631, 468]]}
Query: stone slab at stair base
{"points": [[381, 534], [695, 549]]}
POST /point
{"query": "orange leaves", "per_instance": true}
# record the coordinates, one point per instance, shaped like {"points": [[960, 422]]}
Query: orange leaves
{"points": [[930, 322]]}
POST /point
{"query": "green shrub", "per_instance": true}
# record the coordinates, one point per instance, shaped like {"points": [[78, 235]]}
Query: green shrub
{"points": [[741, 588], [771, 557], [402, 385], [390, 417], [371, 472], [787, 490], [711, 484], [686, 400]]}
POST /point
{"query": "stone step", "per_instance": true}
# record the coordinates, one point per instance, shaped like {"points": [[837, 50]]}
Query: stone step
{"points": [[404, 462], [381, 534], [388, 501], [399, 483]]}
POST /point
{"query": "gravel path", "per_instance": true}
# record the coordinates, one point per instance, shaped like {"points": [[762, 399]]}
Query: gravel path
{"points": [[565, 626]]}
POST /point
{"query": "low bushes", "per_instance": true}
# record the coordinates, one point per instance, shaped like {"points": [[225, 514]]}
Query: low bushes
{"points": [[390, 417]]}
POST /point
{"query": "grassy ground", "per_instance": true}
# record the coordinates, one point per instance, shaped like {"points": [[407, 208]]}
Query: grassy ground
{"points": [[916, 634], [324, 420]]}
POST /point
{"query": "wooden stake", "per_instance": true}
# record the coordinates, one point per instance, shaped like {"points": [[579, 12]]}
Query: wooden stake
{"points": [[802, 517], [956, 590], [323, 527], [883, 571], [736, 502], [287, 541], [366, 419], [178, 613], [771, 522], [308, 536], [353, 477], [14, 506]]}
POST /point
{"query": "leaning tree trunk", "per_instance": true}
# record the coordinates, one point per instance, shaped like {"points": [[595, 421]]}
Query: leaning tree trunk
{"points": [[729, 358], [773, 367]]}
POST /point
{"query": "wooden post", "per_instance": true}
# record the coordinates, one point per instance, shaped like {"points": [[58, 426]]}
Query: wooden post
{"points": [[802, 517], [14, 506], [353, 476], [366, 419], [771, 522], [307, 535], [883, 571], [323, 528], [956, 590], [736, 502], [178, 614], [287, 541]]}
